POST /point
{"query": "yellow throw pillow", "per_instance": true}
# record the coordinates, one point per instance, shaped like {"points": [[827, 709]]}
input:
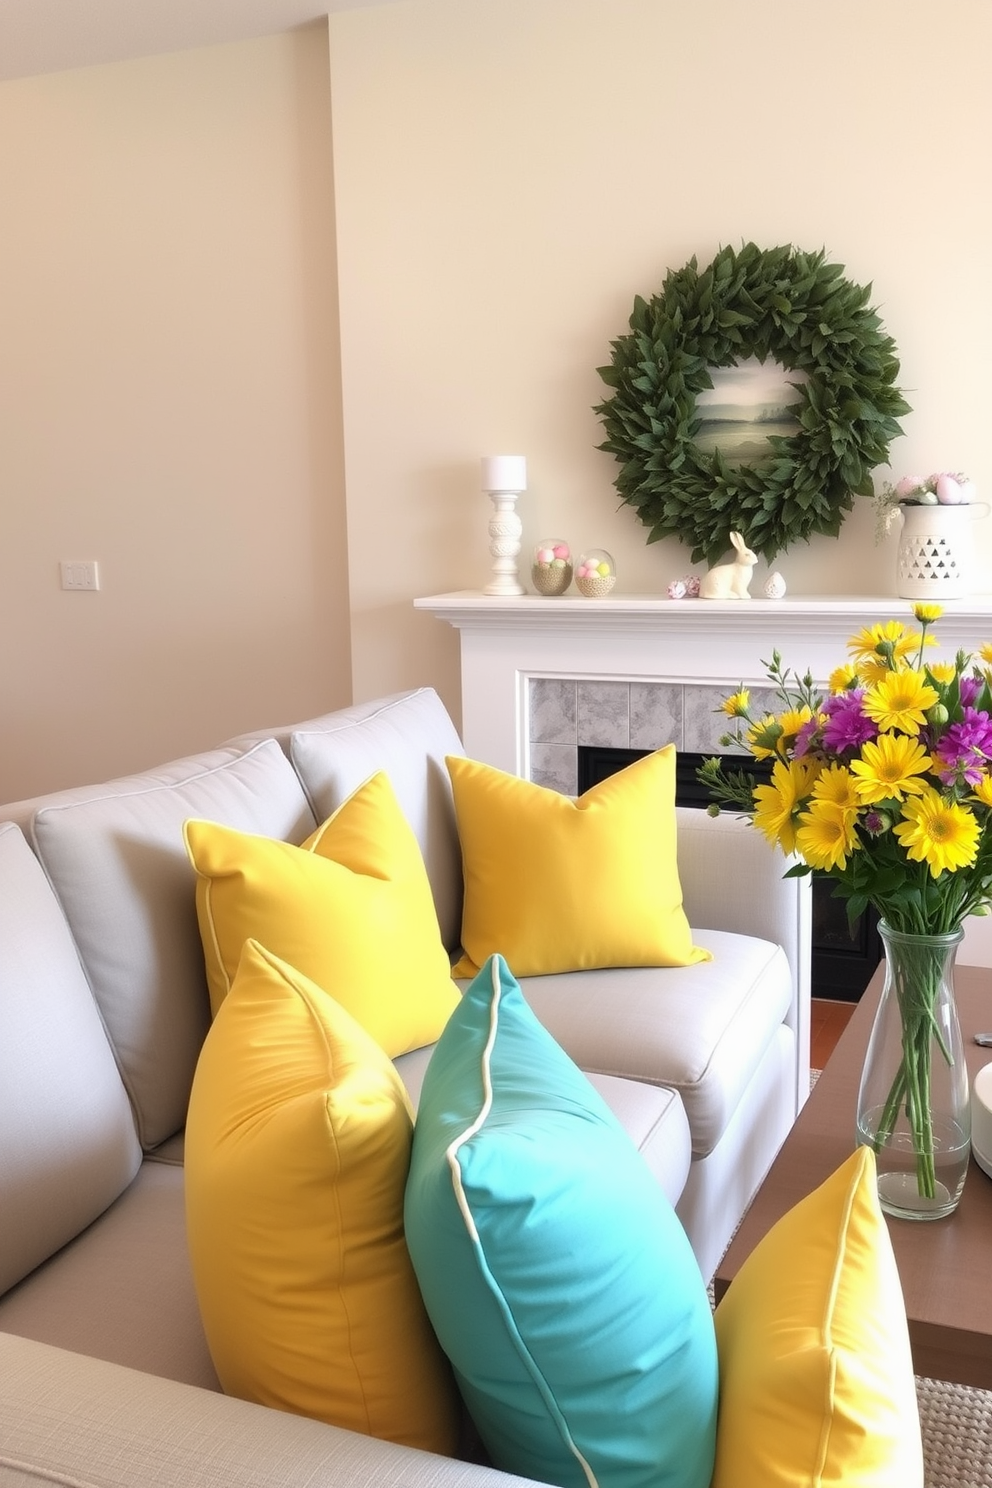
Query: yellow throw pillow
{"points": [[816, 1373], [297, 1153], [554, 883], [351, 909]]}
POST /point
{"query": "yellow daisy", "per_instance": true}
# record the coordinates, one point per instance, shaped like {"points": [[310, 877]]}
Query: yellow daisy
{"points": [[836, 784], [983, 791], [826, 836], [762, 737], [881, 648], [900, 701], [775, 805], [927, 613], [888, 768], [985, 652], [872, 672], [790, 722], [864, 646], [942, 672], [843, 678], [737, 705], [938, 832]]}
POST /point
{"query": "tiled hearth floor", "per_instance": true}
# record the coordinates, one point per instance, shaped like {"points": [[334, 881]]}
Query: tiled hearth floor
{"points": [[827, 1023]]}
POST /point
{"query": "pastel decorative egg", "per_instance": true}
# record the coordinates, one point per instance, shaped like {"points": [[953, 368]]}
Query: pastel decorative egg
{"points": [[949, 492], [551, 569], [677, 589], [775, 586], [596, 574]]}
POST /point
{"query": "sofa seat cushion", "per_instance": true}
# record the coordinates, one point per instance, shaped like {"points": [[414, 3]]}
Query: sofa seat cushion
{"points": [[122, 1290], [557, 884], [655, 1121], [297, 1152], [700, 1030], [69, 1143], [558, 1278], [115, 856]]}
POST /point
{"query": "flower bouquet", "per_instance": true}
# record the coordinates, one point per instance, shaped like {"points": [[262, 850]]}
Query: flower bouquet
{"points": [[883, 782]]}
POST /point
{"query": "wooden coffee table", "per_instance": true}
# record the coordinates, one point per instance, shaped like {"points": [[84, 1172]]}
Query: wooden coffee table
{"points": [[945, 1264]]}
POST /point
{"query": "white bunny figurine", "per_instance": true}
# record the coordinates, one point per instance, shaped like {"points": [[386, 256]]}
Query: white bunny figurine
{"points": [[730, 580]]}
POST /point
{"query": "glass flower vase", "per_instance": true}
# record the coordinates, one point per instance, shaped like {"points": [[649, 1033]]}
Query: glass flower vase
{"points": [[913, 1103]]}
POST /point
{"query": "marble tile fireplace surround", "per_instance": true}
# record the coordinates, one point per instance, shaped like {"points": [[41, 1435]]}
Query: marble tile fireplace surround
{"points": [[540, 677]]}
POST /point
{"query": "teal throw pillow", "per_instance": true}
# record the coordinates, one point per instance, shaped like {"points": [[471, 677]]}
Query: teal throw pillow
{"points": [[556, 1274]]}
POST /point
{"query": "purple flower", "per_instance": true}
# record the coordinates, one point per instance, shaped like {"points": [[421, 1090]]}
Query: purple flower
{"points": [[847, 726], [805, 737], [965, 748], [969, 688]]}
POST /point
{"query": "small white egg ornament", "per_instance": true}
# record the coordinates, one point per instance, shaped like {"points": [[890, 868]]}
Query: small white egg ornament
{"points": [[775, 586], [950, 491]]}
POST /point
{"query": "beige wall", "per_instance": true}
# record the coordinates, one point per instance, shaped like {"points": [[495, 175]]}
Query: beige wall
{"points": [[510, 173], [169, 406]]}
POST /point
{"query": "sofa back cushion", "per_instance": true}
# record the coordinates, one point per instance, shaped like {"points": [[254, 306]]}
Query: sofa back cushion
{"points": [[69, 1145], [116, 858], [408, 737]]}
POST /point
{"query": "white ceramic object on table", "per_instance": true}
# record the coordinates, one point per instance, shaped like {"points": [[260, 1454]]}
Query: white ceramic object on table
{"points": [[981, 1119]]}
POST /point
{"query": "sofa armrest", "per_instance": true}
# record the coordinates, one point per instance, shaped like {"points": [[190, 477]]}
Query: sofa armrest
{"points": [[732, 879], [67, 1418]]}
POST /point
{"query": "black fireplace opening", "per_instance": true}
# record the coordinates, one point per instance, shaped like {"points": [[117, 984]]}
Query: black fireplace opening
{"points": [[842, 961]]}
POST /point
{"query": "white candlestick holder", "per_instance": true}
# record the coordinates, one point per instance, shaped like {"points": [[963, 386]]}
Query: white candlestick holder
{"points": [[505, 527]]}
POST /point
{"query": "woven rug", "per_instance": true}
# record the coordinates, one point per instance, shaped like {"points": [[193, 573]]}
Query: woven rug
{"points": [[956, 1422]]}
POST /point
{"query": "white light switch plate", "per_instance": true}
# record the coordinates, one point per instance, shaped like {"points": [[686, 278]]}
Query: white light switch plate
{"points": [[79, 574]]}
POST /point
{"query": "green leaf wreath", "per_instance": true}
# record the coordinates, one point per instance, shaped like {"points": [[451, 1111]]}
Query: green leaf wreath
{"points": [[781, 303]]}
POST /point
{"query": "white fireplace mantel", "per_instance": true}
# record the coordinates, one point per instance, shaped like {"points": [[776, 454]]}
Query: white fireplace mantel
{"points": [[505, 642]]}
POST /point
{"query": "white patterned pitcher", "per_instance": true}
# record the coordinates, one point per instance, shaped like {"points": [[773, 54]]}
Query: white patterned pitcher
{"points": [[935, 548]]}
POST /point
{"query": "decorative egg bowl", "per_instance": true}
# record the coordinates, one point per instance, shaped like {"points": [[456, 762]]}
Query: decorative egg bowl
{"points": [[596, 574], [551, 570]]}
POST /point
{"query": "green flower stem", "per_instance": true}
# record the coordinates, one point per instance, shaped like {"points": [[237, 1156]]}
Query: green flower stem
{"points": [[916, 971]]}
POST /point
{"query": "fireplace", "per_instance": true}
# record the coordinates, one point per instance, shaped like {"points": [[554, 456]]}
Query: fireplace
{"points": [[541, 678], [596, 763]]}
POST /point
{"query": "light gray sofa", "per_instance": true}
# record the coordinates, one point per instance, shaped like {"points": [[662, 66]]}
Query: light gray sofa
{"points": [[105, 1376]]}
